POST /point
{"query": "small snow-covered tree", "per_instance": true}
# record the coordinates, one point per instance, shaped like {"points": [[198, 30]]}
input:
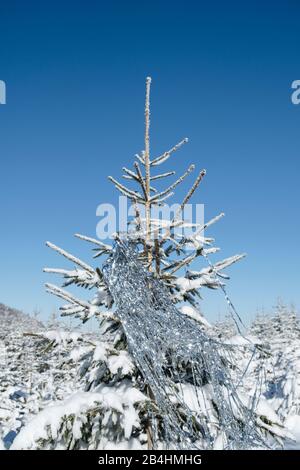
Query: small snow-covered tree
{"points": [[225, 329], [283, 384], [117, 405], [262, 327]]}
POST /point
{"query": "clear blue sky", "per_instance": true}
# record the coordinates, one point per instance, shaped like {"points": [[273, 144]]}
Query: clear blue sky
{"points": [[221, 73]]}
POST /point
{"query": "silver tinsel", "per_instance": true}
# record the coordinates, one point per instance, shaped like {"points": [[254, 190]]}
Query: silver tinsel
{"points": [[171, 349]]}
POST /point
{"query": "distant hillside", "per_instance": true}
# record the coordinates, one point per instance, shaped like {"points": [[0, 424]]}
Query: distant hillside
{"points": [[10, 317]]}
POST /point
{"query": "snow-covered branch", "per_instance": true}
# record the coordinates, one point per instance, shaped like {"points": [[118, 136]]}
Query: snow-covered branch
{"points": [[173, 186], [103, 247], [126, 191], [70, 257], [162, 158]]}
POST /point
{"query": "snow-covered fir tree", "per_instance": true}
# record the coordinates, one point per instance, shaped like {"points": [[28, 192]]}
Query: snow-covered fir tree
{"points": [[116, 408]]}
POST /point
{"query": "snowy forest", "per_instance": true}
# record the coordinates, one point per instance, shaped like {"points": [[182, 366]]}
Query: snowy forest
{"points": [[56, 383], [154, 373]]}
